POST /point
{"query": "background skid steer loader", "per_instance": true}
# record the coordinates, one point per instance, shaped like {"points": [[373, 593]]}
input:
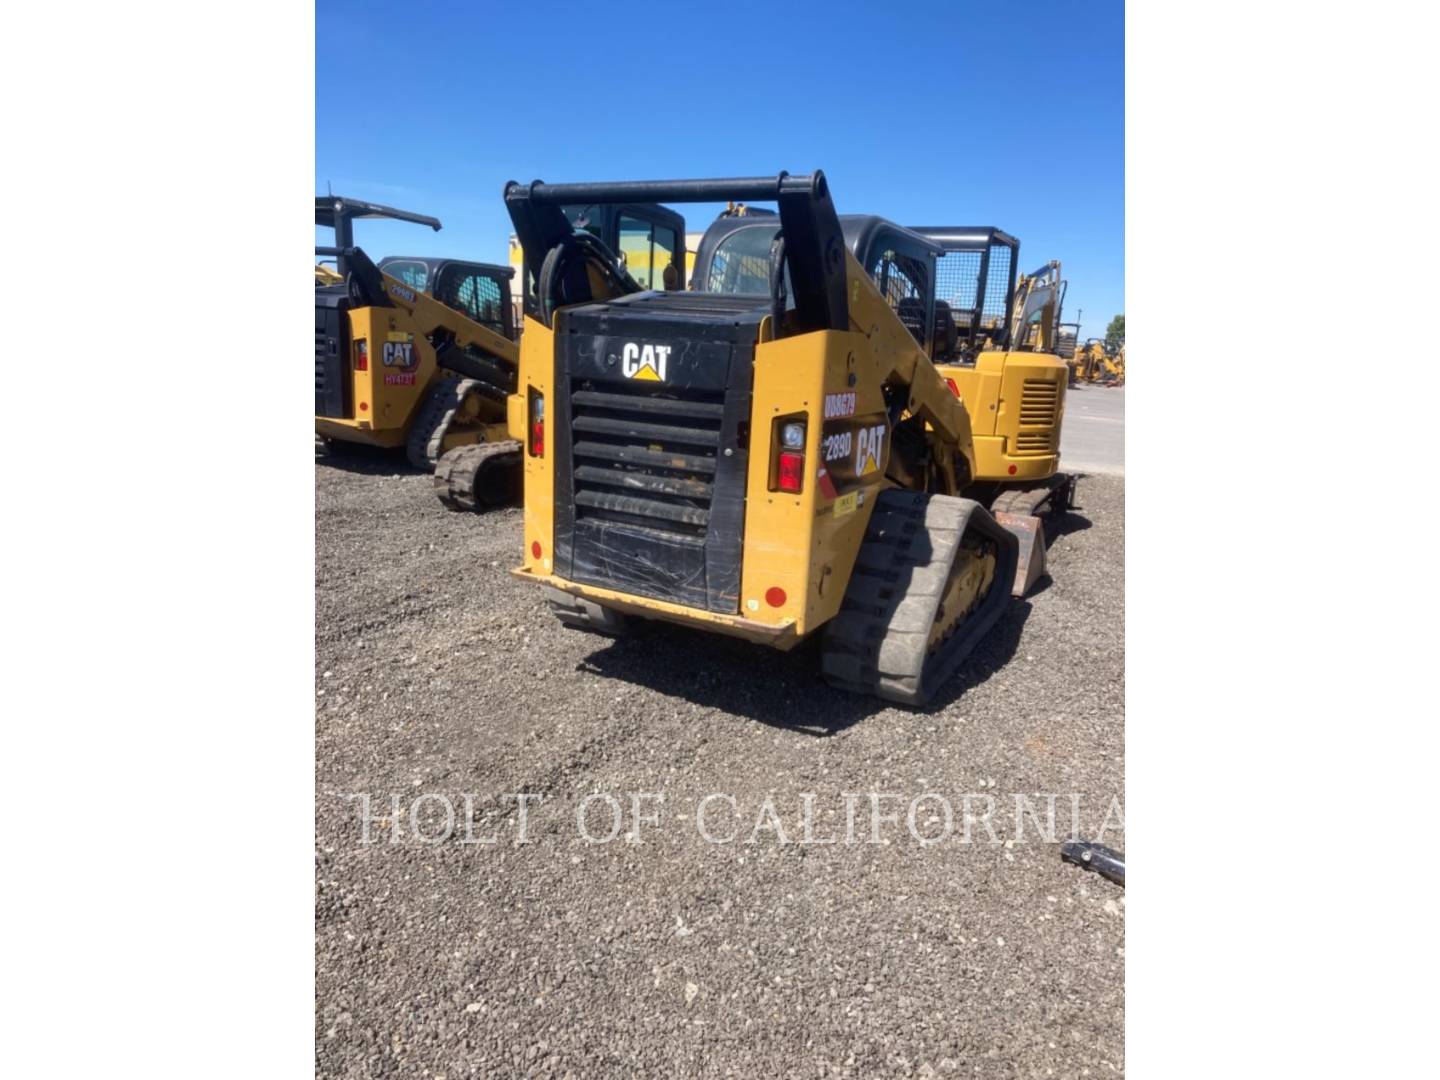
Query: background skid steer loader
{"points": [[417, 352], [766, 466]]}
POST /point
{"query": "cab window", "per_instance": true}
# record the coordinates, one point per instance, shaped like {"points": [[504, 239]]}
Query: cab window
{"points": [[412, 273], [741, 263], [475, 295], [904, 281], [646, 249]]}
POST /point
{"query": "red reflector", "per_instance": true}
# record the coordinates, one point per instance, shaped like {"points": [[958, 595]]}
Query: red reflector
{"points": [[364, 406], [362, 355], [775, 596], [1012, 470], [791, 474], [953, 388], [535, 549]]}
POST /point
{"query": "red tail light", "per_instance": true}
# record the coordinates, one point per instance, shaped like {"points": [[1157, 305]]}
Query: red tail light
{"points": [[537, 424], [362, 355], [953, 388], [790, 476]]}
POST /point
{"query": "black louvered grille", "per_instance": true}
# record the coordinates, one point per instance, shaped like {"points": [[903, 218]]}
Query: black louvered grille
{"points": [[645, 459], [332, 397]]}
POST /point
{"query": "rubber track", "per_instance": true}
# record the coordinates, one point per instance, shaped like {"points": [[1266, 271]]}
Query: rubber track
{"points": [[480, 475], [879, 641], [427, 433]]}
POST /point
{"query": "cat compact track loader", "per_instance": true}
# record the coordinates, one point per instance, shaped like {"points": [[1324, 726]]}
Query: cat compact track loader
{"points": [[767, 466], [417, 352]]}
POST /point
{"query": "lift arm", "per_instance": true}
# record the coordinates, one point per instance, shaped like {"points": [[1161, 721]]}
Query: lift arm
{"points": [[461, 345]]}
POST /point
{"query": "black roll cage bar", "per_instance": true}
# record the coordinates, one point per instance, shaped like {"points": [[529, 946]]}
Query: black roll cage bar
{"points": [[814, 246], [339, 213]]}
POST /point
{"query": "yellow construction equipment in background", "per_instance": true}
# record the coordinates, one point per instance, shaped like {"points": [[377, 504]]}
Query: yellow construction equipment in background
{"points": [[418, 352], [1094, 363], [999, 332], [766, 465]]}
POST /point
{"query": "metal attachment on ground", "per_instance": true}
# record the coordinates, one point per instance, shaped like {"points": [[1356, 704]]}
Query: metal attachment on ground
{"points": [[931, 579], [580, 614], [480, 475], [1104, 861], [1018, 510]]}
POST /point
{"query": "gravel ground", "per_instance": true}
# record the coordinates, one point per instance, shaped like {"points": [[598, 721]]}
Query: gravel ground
{"points": [[437, 672]]}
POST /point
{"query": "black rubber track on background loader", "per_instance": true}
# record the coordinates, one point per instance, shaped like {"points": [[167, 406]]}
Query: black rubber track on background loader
{"points": [[879, 642], [480, 475], [427, 433]]}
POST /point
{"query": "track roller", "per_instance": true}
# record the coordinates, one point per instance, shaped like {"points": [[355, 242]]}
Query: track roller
{"points": [[932, 578], [479, 476]]}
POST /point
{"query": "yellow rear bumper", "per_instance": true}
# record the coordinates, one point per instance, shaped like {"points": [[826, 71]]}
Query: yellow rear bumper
{"points": [[781, 635]]}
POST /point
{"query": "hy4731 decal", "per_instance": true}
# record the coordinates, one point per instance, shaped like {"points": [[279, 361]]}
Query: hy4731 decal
{"points": [[400, 359]]}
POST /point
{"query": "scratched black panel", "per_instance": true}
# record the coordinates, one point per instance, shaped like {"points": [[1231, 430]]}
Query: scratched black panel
{"points": [[651, 444]]}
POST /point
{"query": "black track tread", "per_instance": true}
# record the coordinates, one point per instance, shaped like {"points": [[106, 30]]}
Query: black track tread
{"points": [[480, 475], [427, 433], [879, 641]]}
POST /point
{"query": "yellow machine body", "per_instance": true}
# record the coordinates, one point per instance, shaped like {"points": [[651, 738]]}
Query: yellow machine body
{"points": [[799, 550], [1016, 404], [400, 366]]}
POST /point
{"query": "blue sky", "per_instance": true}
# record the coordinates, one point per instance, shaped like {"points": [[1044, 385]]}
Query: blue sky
{"points": [[925, 112]]}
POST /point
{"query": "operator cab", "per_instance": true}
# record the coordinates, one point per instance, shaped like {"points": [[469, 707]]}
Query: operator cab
{"points": [[479, 291], [735, 256]]}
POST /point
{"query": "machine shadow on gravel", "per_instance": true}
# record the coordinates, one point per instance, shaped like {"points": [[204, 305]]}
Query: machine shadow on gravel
{"points": [[779, 689], [366, 460]]}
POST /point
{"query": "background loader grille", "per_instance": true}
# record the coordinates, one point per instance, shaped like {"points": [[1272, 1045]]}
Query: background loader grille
{"points": [[332, 355], [645, 460]]}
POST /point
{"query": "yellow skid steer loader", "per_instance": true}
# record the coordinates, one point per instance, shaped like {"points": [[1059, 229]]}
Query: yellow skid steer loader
{"points": [[769, 466]]}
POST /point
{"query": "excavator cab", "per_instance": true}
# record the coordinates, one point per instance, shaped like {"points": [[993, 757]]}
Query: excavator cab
{"points": [[768, 463]]}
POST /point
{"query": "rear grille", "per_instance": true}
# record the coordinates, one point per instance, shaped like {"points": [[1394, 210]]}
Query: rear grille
{"points": [[1033, 443], [1039, 406], [323, 344], [332, 389], [645, 460], [1038, 401]]}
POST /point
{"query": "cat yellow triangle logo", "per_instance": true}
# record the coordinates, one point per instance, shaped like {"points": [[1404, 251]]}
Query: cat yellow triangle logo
{"points": [[646, 363], [870, 447]]}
